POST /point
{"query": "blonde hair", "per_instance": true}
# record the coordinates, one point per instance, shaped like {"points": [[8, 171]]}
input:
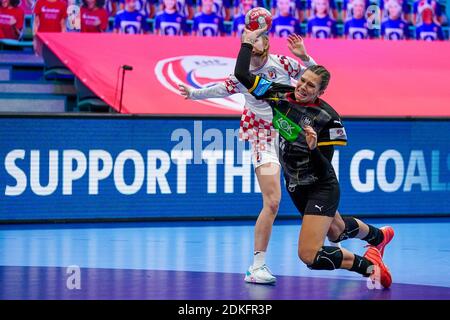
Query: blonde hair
{"points": [[266, 45]]}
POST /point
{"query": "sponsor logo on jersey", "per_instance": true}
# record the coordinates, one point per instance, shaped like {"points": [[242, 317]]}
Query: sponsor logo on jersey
{"points": [[288, 129], [338, 133], [306, 121], [49, 10], [285, 125], [272, 73]]}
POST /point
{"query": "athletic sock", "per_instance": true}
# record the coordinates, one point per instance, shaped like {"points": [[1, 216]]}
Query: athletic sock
{"points": [[361, 265], [374, 237], [259, 259]]}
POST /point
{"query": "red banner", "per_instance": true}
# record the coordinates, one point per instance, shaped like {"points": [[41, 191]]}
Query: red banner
{"points": [[368, 77]]}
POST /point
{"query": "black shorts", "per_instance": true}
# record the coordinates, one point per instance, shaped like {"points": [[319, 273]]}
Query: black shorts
{"points": [[320, 198]]}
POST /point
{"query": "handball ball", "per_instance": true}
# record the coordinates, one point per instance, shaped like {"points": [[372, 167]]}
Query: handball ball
{"points": [[258, 18]]}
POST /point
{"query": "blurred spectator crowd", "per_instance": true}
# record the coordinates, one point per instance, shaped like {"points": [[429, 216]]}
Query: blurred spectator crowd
{"points": [[350, 19]]}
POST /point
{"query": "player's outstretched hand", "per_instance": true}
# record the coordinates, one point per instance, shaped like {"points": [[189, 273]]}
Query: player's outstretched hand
{"points": [[311, 137], [249, 36], [297, 46], [185, 91]]}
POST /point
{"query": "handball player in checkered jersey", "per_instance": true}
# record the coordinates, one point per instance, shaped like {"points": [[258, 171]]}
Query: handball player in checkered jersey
{"points": [[256, 126], [308, 129]]}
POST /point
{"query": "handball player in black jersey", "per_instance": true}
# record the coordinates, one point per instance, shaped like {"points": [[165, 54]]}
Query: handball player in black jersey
{"points": [[308, 129]]}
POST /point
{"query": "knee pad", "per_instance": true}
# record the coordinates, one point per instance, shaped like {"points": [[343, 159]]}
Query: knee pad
{"points": [[351, 229], [327, 258]]}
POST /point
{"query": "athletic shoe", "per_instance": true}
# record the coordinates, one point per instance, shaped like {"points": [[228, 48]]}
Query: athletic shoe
{"points": [[373, 255], [260, 275], [388, 233]]}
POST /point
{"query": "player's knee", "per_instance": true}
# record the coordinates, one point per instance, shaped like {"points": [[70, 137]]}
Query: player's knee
{"points": [[272, 202], [327, 258], [273, 205], [307, 255]]}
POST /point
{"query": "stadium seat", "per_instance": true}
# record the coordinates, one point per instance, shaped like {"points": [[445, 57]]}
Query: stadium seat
{"points": [[88, 100], [54, 69], [17, 45]]}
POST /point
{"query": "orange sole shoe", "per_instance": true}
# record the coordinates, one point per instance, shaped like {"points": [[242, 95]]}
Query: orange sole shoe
{"points": [[388, 233], [382, 274]]}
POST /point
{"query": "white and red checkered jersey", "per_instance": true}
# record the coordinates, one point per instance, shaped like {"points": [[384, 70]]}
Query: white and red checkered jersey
{"points": [[278, 68]]}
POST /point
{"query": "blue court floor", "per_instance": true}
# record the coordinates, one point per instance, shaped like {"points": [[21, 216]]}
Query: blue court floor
{"points": [[207, 260]]}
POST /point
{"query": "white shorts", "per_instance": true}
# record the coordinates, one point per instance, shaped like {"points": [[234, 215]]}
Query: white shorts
{"points": [[264, 152]]}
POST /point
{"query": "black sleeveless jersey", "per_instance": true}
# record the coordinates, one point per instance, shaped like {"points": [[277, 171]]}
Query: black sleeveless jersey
{"points": [[289, 117]]}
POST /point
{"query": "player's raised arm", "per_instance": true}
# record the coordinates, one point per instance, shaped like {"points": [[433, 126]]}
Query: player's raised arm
{"points": [[222, 89], [241, 70], [258, 86], [297, 47]]}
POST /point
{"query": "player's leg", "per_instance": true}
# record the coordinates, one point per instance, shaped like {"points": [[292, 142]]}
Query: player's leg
{"points": [[269, 182], [268, 174], [318, 204], [336, 228], [343, 228], [316, 256], [319, 213], [311, 241]]}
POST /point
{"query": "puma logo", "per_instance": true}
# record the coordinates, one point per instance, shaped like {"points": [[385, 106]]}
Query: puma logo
{"points": [[320, 208]]}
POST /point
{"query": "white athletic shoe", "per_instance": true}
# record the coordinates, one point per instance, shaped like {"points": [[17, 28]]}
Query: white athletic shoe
{"points": [[261, 275]]}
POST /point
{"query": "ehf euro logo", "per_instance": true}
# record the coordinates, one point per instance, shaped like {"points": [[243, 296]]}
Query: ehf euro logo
{"points": [[199, 72]]}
